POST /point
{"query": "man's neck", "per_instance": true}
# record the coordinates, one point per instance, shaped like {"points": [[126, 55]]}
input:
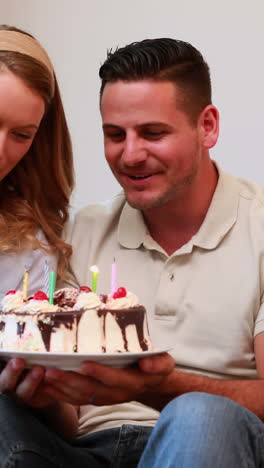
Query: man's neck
{"points": [[173, 225]]}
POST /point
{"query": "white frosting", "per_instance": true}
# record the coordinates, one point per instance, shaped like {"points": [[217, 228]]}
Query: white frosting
{"points": [[87, 300], [130, 300], [33, 306], [12, 302]]}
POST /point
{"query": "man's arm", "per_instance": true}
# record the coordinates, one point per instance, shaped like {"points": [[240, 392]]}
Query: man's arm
{"points": [[248, 393], [62, 418]]}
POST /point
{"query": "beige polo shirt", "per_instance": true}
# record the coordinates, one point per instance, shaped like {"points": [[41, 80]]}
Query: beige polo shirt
{"points": [[204, 301]]}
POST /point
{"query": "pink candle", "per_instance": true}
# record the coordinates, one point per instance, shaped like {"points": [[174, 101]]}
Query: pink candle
{"points": [[113, 278]]}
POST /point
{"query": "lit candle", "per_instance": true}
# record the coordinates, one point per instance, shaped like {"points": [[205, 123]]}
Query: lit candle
{"points": [[25, 283], [94, 271], [113, 278], [52, 282], [46, 277]]}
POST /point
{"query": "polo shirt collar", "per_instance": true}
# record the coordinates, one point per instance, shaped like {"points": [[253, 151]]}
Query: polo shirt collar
{"points": [[222, 212], [131, 228], [221, 216]]}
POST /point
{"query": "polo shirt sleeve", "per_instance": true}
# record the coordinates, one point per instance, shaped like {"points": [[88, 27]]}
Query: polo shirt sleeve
{"points": [[256, 221], [259, 324]]}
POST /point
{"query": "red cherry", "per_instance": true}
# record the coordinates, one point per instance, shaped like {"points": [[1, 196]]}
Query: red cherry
{"points": [[13, 291], [40, 296], [121, 292], [85, 289]]}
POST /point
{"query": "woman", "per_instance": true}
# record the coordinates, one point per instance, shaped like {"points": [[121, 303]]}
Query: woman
{"points": [[36, 181], [36, 166]]}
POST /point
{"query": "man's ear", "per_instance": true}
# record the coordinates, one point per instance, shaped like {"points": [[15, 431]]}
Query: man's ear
{"points": [[209, 126]]}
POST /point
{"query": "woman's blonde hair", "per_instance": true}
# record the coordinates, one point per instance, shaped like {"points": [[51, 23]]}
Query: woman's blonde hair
{"points": [[35, 194]]}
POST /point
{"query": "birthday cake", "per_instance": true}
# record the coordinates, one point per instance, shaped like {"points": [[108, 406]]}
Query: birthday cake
{"points": [[78, 320]]}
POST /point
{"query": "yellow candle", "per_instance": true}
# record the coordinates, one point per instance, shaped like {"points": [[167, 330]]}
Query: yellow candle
{"points": [[94, 271], [25, 284]]}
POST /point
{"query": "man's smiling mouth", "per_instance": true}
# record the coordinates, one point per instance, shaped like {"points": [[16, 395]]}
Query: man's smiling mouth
{"points": [[139, 177]]}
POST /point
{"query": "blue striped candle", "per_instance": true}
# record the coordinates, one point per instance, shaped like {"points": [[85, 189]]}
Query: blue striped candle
{"points": [[46, 277]]}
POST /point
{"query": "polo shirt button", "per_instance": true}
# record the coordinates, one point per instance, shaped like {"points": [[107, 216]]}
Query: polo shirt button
{"points": [[171, 276]]}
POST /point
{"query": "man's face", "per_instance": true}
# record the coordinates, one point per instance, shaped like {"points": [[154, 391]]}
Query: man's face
{"points": [[152, 148]]}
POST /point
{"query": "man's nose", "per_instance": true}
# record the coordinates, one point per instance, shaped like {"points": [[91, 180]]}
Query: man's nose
{"points": [[133, 152]]}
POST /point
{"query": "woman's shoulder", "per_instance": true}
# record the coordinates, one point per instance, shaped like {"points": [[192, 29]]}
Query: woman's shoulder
{"points": [[13, 264]]}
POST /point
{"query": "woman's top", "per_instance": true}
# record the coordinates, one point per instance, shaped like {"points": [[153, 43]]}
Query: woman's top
{"points": [[13, 265]]}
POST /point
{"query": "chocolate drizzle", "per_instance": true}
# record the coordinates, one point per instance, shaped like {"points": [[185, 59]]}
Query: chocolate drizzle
{"points": [[20, 328], [124, 317], [49, 322]]}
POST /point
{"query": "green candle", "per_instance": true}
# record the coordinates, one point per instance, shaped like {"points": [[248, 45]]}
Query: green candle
{"points": [[94, 271], [52, 282]]}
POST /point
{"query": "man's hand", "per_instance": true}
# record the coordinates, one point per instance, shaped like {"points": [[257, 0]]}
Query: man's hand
{"points": [[104, 385]]}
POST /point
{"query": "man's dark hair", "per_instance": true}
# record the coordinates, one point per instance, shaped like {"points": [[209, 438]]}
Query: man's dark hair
{"points": [[162, 59]]}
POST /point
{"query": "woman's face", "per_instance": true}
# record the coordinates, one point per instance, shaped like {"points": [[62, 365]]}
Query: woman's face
{"points": [[21, 111]]}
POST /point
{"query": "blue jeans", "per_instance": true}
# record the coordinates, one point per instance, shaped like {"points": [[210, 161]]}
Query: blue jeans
{"points": [[195, 430], [198, 430], [26, 442]]}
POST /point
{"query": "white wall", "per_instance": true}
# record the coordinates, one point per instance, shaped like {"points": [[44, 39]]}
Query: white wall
{"points": [[77, 33]]}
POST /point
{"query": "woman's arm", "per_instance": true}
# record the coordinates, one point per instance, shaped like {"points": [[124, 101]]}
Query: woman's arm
{"points": [[30, 388]]}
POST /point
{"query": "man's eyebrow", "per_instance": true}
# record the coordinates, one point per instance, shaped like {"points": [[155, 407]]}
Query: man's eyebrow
{"points": [[153, 124], [144, 124], [108, 125]]}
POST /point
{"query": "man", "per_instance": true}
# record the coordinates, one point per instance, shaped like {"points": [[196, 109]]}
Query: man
{"points": [[187, 239]]}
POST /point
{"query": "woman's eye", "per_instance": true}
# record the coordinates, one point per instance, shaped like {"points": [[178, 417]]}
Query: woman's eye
{"points": [[22, 136]]}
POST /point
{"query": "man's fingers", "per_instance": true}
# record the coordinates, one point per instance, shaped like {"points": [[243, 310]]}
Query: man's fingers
{"points": [[110, 385], [131, 379], [105, 383], [161, 364]]}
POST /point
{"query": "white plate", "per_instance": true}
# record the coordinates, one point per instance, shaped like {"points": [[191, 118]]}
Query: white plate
{"points": [[73, 361]]}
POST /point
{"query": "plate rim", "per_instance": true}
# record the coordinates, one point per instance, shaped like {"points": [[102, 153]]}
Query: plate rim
{"points": [[160, 350], [73, 361]]}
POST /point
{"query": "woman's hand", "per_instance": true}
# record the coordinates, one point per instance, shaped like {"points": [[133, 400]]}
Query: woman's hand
{"points": [[25, 385], [29, 387]]}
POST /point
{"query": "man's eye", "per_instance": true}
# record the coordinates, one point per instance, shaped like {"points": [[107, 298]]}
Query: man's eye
{"points": [[154, 133], [115, 136]]}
